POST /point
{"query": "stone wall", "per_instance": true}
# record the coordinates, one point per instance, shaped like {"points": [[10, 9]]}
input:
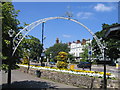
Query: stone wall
{"points": [[71, 79]]}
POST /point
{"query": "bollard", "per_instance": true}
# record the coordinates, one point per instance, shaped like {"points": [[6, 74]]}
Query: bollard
{"points": [[38, 73]]}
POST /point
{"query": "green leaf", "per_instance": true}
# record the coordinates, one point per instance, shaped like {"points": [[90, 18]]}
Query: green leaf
{"points": [[7, 42]]}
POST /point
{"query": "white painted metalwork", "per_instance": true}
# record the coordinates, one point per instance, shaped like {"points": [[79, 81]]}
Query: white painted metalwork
{"points": [[18, 38]]}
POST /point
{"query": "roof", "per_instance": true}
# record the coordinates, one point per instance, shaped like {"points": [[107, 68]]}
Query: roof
{"points": [[113, 32]]}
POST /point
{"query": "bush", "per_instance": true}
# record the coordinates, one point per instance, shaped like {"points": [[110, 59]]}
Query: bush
{"points": [[73, 61], [25, 61], [45, 60], [62, 56], [61, 64], [51, 60], [83, 60], [94, 62], [4, 67]]}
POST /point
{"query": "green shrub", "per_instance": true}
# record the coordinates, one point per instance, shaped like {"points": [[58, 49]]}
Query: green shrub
{"points": [[72, 61], [25, 60], [51, 60], [83, 60], [4, 67], [61, 64], [45, 60], [94, 62]]}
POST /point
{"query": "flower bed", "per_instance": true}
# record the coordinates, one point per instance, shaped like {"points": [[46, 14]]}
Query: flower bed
{"points": [[73, 71]]}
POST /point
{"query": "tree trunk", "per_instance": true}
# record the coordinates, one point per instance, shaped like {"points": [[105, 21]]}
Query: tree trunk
{"points": [[28, 64]]}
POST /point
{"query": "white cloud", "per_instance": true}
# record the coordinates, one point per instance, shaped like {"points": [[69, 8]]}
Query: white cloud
{"points": [[102, 7], [66, 36], [84, 15]]}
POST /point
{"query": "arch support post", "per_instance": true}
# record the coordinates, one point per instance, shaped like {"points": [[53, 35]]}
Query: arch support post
{"points": [[10, 63], [11, 34], [105, 80]]}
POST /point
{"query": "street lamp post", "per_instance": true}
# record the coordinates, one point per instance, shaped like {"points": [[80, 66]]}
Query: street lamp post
{"points": [[104, 59], [11, 33], [90, 53], [42, 54]]}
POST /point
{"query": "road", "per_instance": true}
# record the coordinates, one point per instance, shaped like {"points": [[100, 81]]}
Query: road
{"points": [[23, 80], [110, 69]]}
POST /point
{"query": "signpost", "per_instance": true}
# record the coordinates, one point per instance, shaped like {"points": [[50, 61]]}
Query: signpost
{"points": [[90, 54]]}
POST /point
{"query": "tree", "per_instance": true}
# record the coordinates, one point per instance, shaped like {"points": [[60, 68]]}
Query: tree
{"points": [[112, 45], [84, 55], [56, 48], [26, 58], [71, 58], [33, 45], [9, 21]]}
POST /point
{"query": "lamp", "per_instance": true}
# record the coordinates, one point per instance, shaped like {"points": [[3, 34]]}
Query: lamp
{"points": [[11, 33]]}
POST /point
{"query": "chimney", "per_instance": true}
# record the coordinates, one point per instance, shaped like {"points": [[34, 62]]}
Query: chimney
{"points": [[69, 43], [73, 41], [83, 41], [78, 41], [57, 40]]}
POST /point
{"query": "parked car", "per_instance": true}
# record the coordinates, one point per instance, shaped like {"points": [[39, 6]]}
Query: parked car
{"points": [[35, 61], [52, 63], [84, 65]]}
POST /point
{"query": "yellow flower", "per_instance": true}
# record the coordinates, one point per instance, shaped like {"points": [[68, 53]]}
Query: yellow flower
{"points": [[108, 74], [101, 72]]}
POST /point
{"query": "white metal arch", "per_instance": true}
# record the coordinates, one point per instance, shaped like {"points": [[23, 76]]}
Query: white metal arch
{"points": [[18, 38]]}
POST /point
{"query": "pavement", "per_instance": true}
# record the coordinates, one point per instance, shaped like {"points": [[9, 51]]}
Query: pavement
{"points": [[24, 80]]}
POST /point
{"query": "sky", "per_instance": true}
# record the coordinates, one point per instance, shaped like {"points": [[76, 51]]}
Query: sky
{"points": [[91, 14]]}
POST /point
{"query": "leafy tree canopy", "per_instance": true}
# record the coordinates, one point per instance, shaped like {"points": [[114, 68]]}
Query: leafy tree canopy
{"points": [[32, 45], [56, 48], [9, 21], [112, 45]]}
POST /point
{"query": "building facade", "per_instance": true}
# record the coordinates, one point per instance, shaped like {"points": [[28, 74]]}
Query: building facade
{"points": [[76, 48]]}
